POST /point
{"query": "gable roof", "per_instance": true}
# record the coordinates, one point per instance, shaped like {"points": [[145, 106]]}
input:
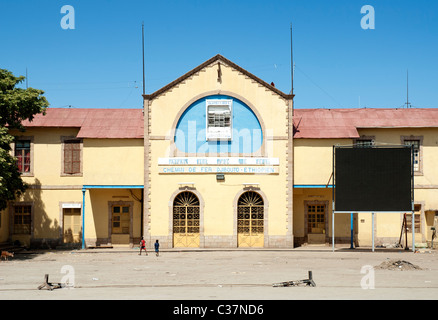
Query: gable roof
{"points": [[344, 123], [212, 60], [94, 123]]}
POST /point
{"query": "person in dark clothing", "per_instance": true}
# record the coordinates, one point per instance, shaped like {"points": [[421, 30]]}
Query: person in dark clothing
{"points": [[157, 247]]}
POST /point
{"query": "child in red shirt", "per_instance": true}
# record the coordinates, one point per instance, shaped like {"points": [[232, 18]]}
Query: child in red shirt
{"points": [[142, 246]]}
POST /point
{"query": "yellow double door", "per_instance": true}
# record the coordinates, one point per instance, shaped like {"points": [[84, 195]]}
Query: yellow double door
{"points": [[186, 227], [186, 221], [250, 226]]}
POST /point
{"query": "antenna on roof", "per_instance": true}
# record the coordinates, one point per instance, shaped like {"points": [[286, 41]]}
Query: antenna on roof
{"points": [[291, 61], [408, 105], [142, 35]]}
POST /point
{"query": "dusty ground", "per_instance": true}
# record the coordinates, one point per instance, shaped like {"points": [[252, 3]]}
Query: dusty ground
{"points": [[120, 273]]}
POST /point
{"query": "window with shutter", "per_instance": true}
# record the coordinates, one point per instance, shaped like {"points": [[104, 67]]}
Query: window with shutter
{"points": [[72, 157]]}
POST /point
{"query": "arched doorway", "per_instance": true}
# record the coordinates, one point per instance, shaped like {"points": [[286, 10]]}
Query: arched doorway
{"points": [[250, 220], [186, 222]]}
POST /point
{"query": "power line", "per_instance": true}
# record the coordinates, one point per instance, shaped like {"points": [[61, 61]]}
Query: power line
{"points": [[331, 97]]}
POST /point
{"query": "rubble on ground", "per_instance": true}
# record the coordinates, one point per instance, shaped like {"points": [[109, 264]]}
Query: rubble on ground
{"points": [[400, 265]]}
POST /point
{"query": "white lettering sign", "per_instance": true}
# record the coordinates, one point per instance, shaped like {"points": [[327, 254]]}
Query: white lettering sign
{"points": [[219, 169], [225, 161]]}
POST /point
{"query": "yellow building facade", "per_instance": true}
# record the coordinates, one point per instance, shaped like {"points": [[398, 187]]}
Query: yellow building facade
{"points": [[82, 175], [216, 159], [218, 151], [318, 130]]}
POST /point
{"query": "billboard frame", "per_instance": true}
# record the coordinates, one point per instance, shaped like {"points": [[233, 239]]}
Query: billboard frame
{"points": [[334, 212]]}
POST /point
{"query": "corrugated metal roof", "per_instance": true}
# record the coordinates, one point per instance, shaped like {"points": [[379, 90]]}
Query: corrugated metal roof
{"points": [[94, 123], [308, 123], [343, 123]]}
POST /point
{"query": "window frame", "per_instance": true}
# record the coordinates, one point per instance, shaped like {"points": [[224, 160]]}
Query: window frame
{"points": [[30, 139], [224, 133], [372, 139], [12, 213], [64, 141], [403, 139], [418, 216]]}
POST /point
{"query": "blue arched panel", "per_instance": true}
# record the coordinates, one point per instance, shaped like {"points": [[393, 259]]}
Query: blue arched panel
{"points": [[190, 134]]}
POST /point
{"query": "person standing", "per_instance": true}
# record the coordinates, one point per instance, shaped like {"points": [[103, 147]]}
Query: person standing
{"points": [[142, 246], [157, 247]]}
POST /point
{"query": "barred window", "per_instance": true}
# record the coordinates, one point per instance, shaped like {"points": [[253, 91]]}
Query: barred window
{"points": [[186, 213], [250, 214], [363, 143]]}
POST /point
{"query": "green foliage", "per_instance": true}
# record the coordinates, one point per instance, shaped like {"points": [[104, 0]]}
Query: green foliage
{"points": [[16, 105], [11, 184]]}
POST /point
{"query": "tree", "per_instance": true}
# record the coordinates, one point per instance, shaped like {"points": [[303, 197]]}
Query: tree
{"points": [[16, 106]]}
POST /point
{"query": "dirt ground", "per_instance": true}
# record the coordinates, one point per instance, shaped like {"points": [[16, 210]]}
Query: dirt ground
{"points": [[120, 273]]}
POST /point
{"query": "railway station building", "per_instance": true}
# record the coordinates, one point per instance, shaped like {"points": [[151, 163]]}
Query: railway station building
{"points": [[218, 158]]}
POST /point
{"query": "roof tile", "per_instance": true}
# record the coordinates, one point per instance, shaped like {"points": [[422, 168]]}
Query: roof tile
{"points": [[94, 123], [343, 123], [308, 123]]}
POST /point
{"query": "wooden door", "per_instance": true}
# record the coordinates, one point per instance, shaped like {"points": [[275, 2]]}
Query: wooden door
{"points": [[72, 225]]}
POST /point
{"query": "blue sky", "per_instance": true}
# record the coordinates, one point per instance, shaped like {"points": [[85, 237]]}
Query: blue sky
{"points": [[338, 64]]}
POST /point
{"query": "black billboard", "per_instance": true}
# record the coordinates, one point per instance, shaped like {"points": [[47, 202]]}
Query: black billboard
{"points": [[373, 179]]}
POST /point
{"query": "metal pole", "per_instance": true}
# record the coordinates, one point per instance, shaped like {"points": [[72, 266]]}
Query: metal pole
{"points": [[83, 218], [333, 198], [372, 226], [413, 231], [413, 201], [333, 230], [405, 221], [407, 89], [142, 42], [351, 227], [291, 61]]}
